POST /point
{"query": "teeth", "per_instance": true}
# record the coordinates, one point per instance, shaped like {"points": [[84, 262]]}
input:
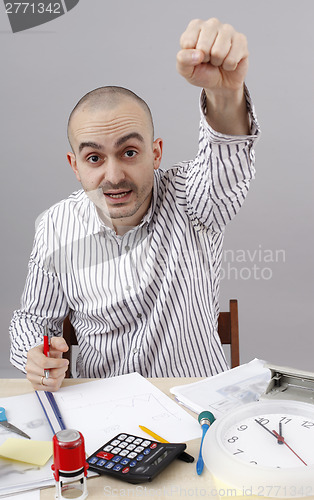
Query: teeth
{"points": [[119, 195]]}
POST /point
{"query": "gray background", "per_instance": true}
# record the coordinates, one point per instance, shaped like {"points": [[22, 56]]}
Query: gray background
{"points": [[44, 71]]}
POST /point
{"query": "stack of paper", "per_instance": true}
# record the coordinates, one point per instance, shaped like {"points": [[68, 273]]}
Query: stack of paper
{"points": [[225, 391]]}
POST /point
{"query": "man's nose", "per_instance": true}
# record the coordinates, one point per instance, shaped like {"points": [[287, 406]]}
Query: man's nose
{"points": [[113, 173]]}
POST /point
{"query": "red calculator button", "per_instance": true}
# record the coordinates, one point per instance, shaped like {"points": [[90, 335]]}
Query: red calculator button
{"points": [[153, 446], [105, 455], [125, 470]]}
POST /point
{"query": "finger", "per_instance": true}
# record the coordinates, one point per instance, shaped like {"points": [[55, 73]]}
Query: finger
{"points": [[190, 36], [58, 344], [222, 45], [37, 362], [207, 37], [187, 59], [40, 383], [237, 53]]}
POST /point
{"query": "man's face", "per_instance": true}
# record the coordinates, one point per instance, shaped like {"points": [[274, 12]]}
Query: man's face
{"points": [[114, 157]]}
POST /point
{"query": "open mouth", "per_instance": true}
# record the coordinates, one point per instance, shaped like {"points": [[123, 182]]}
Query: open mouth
{"points": [[121, 196]]}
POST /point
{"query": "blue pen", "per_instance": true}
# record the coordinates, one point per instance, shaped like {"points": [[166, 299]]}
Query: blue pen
{"points": [[206, 418]]}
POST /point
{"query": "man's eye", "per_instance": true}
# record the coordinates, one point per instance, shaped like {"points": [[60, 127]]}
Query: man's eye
{"points": [[130, 153], [93, 159]]}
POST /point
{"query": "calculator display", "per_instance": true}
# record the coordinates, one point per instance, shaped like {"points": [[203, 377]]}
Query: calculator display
{"points": [[133, 459]]}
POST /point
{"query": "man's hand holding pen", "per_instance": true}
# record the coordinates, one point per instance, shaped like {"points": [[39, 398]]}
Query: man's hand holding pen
{"points": [[38, 364]]}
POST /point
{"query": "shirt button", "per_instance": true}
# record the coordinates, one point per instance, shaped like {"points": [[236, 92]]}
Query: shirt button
{"points": [[128, 287], [139, 315], [135, 350], [127, 248]]}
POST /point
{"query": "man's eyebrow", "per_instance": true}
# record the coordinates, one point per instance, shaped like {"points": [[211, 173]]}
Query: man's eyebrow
{"points": [[125, 138], [93, 145]]}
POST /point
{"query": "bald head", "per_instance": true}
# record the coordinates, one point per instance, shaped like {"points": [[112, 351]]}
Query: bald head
{"points": [[107, 98]]}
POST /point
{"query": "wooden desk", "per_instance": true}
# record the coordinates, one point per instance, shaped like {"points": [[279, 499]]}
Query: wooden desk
{"points": [[179, 481]]}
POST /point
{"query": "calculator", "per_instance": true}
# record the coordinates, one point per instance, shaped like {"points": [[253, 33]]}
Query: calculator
{"points": [[133, 459]]}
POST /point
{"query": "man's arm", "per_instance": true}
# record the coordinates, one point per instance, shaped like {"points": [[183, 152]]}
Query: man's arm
{"points": [[42, 302], [215, 57]]}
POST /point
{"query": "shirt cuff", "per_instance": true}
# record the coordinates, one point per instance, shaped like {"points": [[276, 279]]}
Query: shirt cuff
{"points": [[214, 136]]}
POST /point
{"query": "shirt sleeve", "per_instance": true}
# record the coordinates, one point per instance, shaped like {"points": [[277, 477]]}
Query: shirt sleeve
{"points": [[43, 301], [218, 179]]}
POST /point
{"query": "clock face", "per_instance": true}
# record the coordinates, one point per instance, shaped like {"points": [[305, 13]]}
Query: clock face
{"points": [[254, 439], [264, 443]]}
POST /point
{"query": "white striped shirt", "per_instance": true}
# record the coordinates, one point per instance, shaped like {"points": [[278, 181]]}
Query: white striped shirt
{"points": [[146, 301]]}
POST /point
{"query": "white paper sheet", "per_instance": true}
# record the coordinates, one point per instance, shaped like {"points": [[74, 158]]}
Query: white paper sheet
{"points": [[225, 391], [103, 408]]}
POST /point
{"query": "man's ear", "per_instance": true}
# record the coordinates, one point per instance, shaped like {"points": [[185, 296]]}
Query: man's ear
{"points": [[72, 160], [157, 150]]}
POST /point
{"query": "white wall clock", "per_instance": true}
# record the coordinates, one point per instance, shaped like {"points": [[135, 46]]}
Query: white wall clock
{"points": [[266, 448]]}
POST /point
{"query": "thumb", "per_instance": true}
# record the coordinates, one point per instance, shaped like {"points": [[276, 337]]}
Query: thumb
{"points": [[58, 344], [187, 59]]}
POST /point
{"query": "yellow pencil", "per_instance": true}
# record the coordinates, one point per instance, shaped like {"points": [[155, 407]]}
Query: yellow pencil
{"points": [[183, 456], [152, 434]]}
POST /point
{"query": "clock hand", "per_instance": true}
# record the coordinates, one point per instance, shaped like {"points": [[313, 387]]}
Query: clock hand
{"points": [[280, 441], [283, 441], [279, 438], [264, 427]]}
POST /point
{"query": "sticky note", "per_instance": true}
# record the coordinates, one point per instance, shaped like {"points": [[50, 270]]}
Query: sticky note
{"points": [[26, 450]]}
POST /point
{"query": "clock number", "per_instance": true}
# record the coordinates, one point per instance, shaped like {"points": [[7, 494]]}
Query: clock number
{"points": [[263, 421], [307, 424], [285, 420], [239, 451], [242, 428], [233, 439]]}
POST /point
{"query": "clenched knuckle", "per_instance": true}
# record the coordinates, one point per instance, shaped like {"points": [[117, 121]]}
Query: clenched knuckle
{"points": [[227, 28], [195, 23], [213, 22]]}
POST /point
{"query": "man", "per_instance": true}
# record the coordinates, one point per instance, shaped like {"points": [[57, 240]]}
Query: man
{"points": [[134, 258]]}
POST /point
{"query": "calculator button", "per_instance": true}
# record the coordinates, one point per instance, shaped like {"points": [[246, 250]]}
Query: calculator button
{"points": [[133, 463], [123, 444], [116, 459], [92, 460], [117, 467], [131, 447], [147, 451], [125, 470], [109, 465], [115, 442], [105, 455], [124, 453], [145, 443], [153, 446], [125, 461], [139, 449], [108, 448], [132, 455], [139, 457], [101, 462], [122, 437], [138, 441], [130, 439], [116, 451]]}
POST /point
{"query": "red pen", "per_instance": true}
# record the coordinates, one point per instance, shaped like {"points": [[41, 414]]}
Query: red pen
{"points": [[46, 348]]}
